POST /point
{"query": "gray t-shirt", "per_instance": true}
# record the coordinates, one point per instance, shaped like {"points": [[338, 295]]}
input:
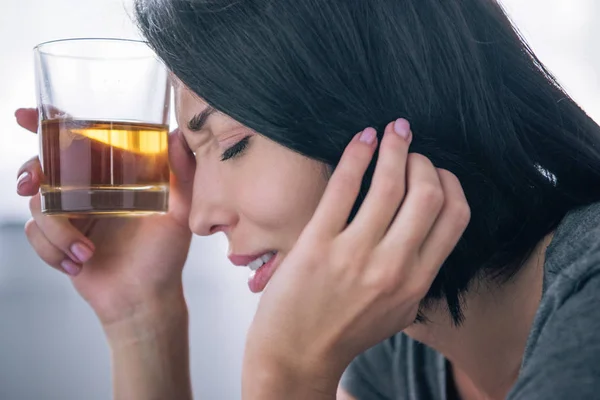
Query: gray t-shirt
{"points": [[562, 355]]}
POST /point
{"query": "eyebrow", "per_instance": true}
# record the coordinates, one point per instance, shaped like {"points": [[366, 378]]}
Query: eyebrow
{"points": [[197, 123]]}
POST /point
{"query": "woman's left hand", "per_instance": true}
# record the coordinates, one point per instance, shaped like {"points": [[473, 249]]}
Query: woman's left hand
{"points": [[346, 287]]}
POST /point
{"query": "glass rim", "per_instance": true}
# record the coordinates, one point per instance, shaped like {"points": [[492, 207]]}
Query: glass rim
{"points": [[40, 48]]}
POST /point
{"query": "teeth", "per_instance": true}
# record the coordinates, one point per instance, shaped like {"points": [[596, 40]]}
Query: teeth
{"points": [[259, 262], [256, 264]]}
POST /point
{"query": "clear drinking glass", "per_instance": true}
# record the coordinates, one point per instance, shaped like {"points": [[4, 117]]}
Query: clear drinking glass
{"points": [[104, 112]]}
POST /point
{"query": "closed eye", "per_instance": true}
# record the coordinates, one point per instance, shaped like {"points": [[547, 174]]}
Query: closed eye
{"points": [[236, 150]]}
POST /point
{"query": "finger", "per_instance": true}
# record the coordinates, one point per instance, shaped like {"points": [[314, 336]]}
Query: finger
{"points": [[62, 234], [84, 225], [29, 177], [49, 253], [183, 167], [27, 118], [334, 209], [388, 186], [422, 204], [181, 161], [450, 225]]}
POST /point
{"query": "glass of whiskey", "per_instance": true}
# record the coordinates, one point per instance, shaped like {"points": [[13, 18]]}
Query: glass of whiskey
{"points": [[104, 121]]}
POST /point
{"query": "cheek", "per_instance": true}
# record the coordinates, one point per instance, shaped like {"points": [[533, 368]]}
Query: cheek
{"points": [[283, 189], [285, 202]]}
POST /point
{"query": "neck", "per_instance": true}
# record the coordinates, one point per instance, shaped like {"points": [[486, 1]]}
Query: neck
{"points": [[486, 351]]}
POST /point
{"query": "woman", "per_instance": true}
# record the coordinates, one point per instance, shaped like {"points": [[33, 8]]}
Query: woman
{"points": [[374, 281]]}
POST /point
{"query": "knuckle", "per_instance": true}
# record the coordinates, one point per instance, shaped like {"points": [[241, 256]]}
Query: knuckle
{"points": [[390, 187], [386, 278], [447, 176], [34, 203], [30, 228], [339, 261], [359, 156], [46, 253], [394, 145], [416, 159], [419, 288], [399, 278], [430, 195], [444, 174], [377, 281], [348, 179], [456, 205], [461, 213], [350, 263], [393, 282], [342, 258]]}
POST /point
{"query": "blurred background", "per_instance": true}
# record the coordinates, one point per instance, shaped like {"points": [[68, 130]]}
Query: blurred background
{"points": [[51, 346]]}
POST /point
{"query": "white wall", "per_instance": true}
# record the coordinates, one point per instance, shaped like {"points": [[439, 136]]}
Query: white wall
{"points": [[564, 34]]}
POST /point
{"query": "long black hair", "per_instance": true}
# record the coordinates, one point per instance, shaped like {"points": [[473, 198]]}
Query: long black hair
{"points": [[309, 74]]}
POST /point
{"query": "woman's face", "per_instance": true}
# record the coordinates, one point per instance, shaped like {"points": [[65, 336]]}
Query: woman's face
{"points": [[257, 192]]}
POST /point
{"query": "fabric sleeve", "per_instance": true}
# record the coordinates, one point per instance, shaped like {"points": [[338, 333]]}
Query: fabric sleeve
{"points": [[566, 361], [369, 376]]}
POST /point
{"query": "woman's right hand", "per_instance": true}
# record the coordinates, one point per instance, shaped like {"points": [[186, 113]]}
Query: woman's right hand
{"points": [[120, 266]]}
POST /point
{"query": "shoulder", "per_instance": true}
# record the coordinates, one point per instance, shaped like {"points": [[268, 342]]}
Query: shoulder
{"points": [[397, 368], [562, 356], [563, 347], [572, 267], [572, 258], [575, 249]]}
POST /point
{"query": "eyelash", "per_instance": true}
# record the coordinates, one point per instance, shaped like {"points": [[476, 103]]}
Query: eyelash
{"points": [[236, 150]]}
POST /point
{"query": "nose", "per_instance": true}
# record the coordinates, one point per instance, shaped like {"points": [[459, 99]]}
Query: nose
{"points": [[211, 210]]}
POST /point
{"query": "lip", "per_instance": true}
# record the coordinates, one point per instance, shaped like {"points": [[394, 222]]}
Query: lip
{"points": [[242, 260]]}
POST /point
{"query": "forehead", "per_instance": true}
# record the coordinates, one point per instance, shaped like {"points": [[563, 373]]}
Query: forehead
{"points": [[186, 101]]}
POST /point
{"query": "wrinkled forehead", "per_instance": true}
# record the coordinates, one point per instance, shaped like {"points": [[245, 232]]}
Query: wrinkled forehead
{"points": [[187, 103]]}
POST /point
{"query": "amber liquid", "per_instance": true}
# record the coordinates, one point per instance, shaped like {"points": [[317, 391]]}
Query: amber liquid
{"points": [[104, 168]]}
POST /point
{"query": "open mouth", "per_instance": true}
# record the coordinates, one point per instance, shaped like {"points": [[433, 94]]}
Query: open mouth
{"points": [[261, 271], [260, 261]]}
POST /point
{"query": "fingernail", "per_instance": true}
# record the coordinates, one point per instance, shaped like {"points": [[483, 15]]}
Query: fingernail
{"points": [[24, 179], [70, 267], [82, 252], [402, 128], [368, 136]]}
